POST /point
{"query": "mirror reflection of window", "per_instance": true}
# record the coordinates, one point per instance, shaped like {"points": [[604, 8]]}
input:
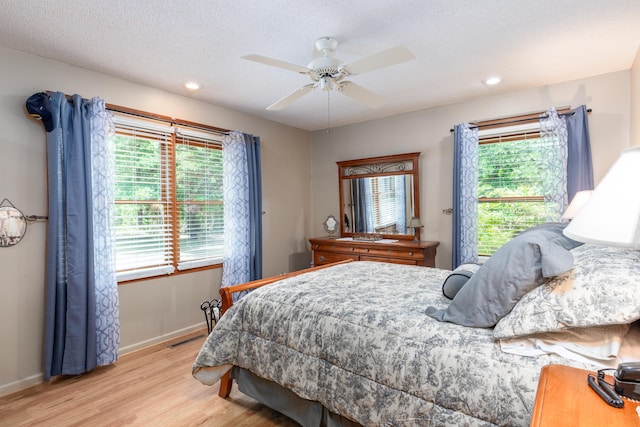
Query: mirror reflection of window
{"points": [[389, 204], [380, 204]]}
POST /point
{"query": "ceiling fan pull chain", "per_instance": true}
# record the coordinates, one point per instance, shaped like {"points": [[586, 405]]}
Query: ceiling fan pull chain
{"points": [[328, 112]]}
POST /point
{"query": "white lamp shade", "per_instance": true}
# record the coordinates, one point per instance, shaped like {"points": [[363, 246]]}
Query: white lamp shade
{"points": [[611, 216], [578, 201]]}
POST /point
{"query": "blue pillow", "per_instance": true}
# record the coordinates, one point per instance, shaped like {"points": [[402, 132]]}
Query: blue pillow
{"points": [[523, 263], [457, 279]]}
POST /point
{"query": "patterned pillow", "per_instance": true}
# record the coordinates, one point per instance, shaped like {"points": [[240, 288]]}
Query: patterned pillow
{"points": [[603, 288]]}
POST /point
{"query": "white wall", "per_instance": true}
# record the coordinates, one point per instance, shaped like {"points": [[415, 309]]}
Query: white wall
{"points": [[149, 310], [635, 101], [428, 132]]}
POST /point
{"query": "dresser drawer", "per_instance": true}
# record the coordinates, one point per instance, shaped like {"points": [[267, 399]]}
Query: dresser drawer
{"points": [[403, 253], [391, 260], [320, 258], [329, 247]]}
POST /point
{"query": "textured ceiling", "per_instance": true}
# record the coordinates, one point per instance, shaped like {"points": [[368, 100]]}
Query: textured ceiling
{"points": [[457, 43]]}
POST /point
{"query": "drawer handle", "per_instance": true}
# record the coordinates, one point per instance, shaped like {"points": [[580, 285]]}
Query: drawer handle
{"points": [[366, 250], [410, 253], [321, 258]]}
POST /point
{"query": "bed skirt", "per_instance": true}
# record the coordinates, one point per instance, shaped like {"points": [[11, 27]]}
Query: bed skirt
{"points": [[304, 412]]}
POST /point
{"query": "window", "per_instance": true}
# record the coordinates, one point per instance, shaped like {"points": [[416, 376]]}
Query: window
{"points": [[169, 202], [511, 165], [384, 201]]}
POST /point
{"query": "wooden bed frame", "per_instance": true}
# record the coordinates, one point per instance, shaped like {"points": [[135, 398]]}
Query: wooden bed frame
{"points": [[227, 301]]}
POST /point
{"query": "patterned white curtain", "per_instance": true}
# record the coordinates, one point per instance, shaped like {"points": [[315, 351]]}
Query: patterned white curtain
{"points": [[242, 209], [465, 195], [553, 133], [103, 189]]}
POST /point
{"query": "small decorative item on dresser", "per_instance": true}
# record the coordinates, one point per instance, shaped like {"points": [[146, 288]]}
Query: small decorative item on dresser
{"points": [[331, 226]]}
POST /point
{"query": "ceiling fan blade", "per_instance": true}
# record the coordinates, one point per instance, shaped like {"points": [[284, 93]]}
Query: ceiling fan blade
{"points": [[293, 96], [277, 63], [360, 94], [392, 56]]}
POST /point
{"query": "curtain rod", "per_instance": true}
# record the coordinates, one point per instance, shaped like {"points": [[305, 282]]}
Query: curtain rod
{"points": [[506, 122], [153, 116]]}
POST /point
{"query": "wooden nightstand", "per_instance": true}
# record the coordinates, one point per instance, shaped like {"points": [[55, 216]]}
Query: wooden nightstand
{"points": [[565, 399]]}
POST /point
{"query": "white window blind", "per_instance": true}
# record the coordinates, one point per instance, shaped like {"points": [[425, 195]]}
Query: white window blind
{"points": [[143, 210], [199, 198], [384, 202], [168, 207]]}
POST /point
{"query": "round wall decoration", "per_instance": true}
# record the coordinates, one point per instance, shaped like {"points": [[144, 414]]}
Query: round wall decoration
{"points": [[13, 225]]}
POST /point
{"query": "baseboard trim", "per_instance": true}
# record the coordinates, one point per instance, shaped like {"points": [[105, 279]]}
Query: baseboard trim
{"points": [[161, 338], [30, 381], [21, 384]]}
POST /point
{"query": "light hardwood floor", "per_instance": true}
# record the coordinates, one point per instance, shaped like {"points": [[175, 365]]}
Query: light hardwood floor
{"points": [[151, 387]]}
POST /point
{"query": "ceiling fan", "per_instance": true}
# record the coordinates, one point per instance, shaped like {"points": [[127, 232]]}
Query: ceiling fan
{"points": [[328, 72]]}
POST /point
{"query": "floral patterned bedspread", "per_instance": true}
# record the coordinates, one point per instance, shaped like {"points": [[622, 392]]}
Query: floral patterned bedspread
{"points": [[355, 337]]}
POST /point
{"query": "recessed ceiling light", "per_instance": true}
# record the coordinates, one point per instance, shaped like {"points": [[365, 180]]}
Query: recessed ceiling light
{"points": [[492, 81], [192, 85]]}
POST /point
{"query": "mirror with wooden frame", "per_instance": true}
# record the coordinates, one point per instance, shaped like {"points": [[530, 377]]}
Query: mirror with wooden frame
{"points": [[379, 195]]}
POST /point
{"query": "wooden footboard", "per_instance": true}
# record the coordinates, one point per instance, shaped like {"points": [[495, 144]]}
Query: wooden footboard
{"points": [[227, 301]]}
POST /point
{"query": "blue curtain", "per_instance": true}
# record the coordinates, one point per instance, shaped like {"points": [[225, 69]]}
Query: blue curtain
{"points": [[81, 300], [579, 163], [401, 204], [363, 220], [242, 184], [465, 195]]}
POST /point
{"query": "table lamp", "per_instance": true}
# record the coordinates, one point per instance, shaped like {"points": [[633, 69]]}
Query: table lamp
{"points": [[611, 216], [415, 223]]}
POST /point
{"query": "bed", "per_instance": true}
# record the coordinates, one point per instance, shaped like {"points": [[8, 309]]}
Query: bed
{"points": [[379, 344]]}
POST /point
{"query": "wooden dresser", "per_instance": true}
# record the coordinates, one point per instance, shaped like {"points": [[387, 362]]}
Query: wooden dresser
{"points": [[327, 250]]}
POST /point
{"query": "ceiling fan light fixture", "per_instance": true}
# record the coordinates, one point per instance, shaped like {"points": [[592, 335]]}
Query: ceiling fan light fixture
{"points": [[326, 84]]}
